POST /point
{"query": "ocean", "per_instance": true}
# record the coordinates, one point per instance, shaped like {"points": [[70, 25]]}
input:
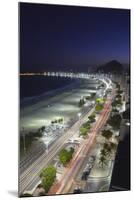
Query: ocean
{"points": [[32, 86]]}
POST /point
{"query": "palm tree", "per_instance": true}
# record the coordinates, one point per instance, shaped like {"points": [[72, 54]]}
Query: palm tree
{"points": [[103, 152], [113, 146], [42, 128], [102, 161], [107, 134], [108, 149]]}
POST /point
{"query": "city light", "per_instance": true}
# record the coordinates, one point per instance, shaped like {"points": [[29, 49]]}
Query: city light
{"points": [[79, 114]]}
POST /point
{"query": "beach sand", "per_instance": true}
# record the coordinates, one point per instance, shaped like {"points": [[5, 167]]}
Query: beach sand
{"points": [[64, 104]]}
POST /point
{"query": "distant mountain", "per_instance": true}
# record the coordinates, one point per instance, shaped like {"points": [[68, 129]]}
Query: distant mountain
{"points": [[112, 66]]}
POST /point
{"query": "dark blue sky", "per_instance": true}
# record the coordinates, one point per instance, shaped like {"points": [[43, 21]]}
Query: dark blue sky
{"points": [[61, 37]]}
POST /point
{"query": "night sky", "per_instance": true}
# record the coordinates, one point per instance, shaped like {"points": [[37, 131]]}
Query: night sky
{"points": [[65, 37]]}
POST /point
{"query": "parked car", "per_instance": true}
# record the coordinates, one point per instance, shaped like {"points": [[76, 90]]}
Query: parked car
{"points": [[91, 159], [85, 174], [77, 191]]}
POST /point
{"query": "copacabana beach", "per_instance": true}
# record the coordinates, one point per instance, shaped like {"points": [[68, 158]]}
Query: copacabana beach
{"points": [[63, 103], [43, 109]]}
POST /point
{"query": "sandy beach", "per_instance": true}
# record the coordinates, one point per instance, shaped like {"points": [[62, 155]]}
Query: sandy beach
{"points": [[64, 104]]}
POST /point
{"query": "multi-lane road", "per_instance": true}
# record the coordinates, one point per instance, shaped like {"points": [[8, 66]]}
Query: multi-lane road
{"points": [[65, 184], [30, 176]]}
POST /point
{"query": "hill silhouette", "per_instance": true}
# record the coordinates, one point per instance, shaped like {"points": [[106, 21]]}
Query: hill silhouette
{"points": [[112, 66]]}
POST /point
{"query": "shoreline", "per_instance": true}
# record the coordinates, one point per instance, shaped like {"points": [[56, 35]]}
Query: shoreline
{"points": [[62, 103], [27, 101]]}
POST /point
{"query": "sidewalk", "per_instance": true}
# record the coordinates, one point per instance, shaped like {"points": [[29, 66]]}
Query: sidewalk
{"points": [[99, 172]]}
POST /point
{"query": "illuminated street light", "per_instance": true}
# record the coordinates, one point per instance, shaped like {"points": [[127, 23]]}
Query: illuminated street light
{"points": [[128, 123], [79, 114], [47, 146], [86, 104], [93, 102]]}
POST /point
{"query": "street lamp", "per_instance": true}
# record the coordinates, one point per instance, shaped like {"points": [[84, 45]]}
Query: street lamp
{"points": [[93, 102], [47, 146], [128, 123], [79, 114]]}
